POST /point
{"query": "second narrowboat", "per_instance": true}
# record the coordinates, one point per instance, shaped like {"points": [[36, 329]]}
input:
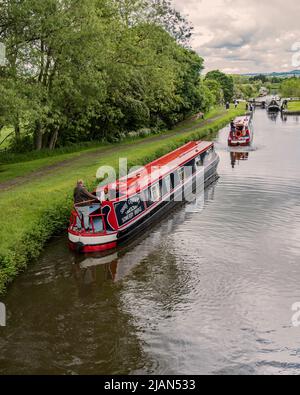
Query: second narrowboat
{"points": [[274, 105], [241, 134]]}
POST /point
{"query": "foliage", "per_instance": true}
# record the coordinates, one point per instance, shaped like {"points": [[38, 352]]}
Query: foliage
{"points": [[290, 87], [84, 70], [216, 90], [294, 106], [260, 78], [225, 81]]}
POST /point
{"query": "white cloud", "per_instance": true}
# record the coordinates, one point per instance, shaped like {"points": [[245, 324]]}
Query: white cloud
{"points": [[243, 35]]}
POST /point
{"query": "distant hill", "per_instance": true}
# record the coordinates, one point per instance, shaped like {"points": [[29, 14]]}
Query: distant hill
{"points": [[276, 74]]}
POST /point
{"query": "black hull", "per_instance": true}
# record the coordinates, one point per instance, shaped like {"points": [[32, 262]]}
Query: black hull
{"points": [[165, 207], [274, 109]]}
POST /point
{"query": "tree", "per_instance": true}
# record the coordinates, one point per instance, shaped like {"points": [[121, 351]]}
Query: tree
{"points": [[290, 87], [225, 81], [259, 78], [80, 70], [215, 88]]}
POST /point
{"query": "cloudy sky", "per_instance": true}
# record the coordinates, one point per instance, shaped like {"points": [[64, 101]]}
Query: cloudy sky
{"points": [[241, 36]]}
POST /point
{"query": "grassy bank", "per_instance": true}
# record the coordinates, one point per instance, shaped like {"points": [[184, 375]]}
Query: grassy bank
{"points": [[294, 106], [33, 212], [10, 167]]}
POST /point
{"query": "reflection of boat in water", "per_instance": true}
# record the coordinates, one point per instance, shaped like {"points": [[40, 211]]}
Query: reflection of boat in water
{"points": [[273, 116], [142, 198], [237, 157], [97, 268], [274, 105], [241, 133]]}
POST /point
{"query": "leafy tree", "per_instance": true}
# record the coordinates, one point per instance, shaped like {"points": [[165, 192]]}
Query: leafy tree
{"points": [[216, 90], [290, 87], [225, 81], [81, 70], [261, 78]]}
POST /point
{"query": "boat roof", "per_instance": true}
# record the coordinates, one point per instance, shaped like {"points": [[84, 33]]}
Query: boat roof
{"points": [[242, 120], [159, 168]]}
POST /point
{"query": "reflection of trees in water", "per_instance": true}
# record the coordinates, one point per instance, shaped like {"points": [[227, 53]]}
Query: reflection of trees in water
{"points": [[159, 283], [152, 283], [90, 326], [159, 279], [54, 330]]}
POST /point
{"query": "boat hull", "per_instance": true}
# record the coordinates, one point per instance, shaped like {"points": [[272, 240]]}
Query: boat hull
{"points": [[239, 143], [274, 109], [82, 242], [238, 137]]}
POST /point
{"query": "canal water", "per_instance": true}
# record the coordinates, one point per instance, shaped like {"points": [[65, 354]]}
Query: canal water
{"points": [[205, 292]]}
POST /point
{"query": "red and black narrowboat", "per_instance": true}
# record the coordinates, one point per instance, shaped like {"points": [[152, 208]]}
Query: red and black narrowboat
{"points": [[241, 134], [142, 197]]}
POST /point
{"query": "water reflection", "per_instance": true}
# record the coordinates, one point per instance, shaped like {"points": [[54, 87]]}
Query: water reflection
{"points": [[273, 116], [92, 271], [237, 157], [206, 291]]}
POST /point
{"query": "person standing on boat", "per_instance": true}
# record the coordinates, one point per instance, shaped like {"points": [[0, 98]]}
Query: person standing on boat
{"points": [[104, 196], [233, 128], [83, 200]]}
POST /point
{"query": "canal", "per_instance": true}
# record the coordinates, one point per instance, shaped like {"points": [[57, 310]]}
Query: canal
{"points": [[205, 292]]}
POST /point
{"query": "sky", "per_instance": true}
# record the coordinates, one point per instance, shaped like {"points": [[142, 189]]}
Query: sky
{"points": [[242, 36]]}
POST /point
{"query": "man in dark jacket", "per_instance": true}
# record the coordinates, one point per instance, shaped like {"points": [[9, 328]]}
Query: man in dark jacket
{"points": [[83, 200], [81, 194]]}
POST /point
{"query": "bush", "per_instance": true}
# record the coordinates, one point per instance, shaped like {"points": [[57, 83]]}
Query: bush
{"points": [[22, 145]]}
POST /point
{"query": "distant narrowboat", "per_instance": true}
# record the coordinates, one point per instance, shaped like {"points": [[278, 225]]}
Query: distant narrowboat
{"points": [[274, 105], [241, 132], [142, 197]]}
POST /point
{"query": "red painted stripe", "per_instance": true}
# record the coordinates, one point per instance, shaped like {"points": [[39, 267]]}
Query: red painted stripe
{"points": [[96, 248]]}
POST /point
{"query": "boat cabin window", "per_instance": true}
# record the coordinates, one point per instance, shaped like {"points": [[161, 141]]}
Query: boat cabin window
{"points": [[155, 193], [166, 185], [175, 179], [208, 155], [181, 174], [199, 161], [190, 168]]}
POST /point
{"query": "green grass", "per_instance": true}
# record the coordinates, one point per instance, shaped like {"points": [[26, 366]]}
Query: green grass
{"points": [[294, 106], [18, 165], [33, 212], [10, 171], [9, 157]]}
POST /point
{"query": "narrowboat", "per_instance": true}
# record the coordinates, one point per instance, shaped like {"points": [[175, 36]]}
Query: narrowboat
{"points": [[142, 197], [274, 105], [241, 132]]}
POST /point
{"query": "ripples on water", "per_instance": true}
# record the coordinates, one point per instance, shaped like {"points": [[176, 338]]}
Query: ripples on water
{"points": [[207, 291]]}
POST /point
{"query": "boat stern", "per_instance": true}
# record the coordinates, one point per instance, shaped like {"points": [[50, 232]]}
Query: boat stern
{"points": [[95, 238], [82, 242]]}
